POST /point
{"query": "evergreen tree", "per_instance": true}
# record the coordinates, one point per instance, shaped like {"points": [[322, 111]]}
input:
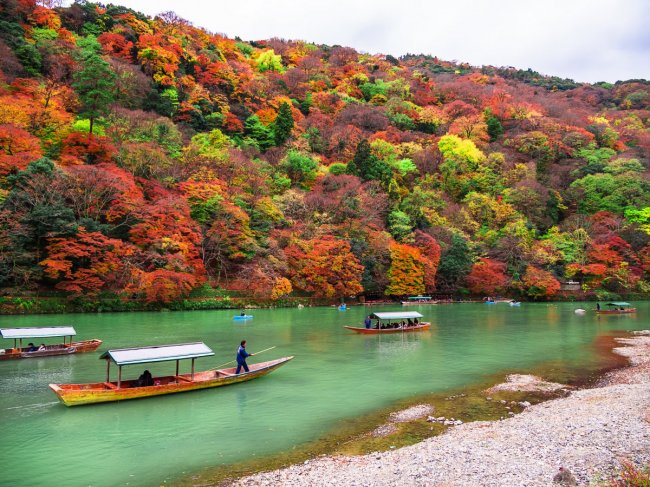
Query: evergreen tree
{"points": [[283, 124], [94, 84], [367, 166], [494, 127], [455, 263], [260, 133]]}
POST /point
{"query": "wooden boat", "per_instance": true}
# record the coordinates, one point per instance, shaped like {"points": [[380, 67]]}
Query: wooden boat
{"points": [[616, 308], [393, 318], [122, 390], [418, 300], [65, 348]]}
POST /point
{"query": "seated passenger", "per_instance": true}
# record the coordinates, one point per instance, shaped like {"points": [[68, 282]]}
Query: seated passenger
{"points": [[42, 347], [144, 380], [415, 320], [31, 347]]}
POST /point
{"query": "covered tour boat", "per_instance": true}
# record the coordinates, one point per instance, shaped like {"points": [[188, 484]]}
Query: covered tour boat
{"points": [[616, 308], [122, 390], [33, 351], [393, 322], [418, 300]]}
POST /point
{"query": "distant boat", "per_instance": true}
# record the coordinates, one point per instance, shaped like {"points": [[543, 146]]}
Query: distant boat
{"points": [[616, 308], [514, 303], [243, 317], [490, 302], [392, 323], [418, 300], [121, 390], [343, 307], [65, 348], [580, 311]]}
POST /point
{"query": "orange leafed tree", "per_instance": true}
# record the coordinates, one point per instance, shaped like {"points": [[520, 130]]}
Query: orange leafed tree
{"points": [[487, 277], [164, 286], [17, 149], [88, 262], [539, 283], [325, 266], [406, 273]]}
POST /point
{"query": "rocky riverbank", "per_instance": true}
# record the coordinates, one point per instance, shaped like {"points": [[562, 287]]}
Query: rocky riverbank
{"points": [[589, 432]]}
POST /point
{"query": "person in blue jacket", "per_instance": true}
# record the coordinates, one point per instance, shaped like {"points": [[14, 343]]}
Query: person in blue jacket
{"points": [[367, 322], [241, 357]]}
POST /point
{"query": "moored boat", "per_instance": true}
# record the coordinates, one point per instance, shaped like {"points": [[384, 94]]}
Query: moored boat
{"points": [[122, 390], [616, 308], [393, 322], [31, 351], [418, 300]]}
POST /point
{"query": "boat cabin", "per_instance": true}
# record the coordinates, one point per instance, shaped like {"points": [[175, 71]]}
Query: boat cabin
{"points": [[160, 353]]}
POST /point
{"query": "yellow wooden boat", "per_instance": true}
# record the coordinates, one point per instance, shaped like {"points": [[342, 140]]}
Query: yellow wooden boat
{"points": [[122, 390]]}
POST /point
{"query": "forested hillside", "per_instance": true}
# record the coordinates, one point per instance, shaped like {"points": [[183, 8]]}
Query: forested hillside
{"points": [[144, 158]]}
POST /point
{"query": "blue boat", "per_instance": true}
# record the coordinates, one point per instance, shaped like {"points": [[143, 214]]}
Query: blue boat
{"points": [[343, 307], [243, 317]]}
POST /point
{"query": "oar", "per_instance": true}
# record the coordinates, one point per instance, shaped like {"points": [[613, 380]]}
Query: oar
{"points": [[231, 361]]}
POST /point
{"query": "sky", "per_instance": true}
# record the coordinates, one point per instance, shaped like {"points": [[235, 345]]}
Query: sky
{"points": [[585, 40]]}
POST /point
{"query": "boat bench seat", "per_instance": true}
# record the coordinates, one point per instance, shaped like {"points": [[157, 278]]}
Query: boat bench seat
{"points": [[110, 385], [185, 379]]}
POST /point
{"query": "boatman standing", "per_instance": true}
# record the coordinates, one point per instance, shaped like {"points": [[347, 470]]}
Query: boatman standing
{"points": [[241, 357], [367, 322]]}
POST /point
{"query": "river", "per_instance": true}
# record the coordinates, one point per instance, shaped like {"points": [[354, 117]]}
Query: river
{"points": [[336, 375]]}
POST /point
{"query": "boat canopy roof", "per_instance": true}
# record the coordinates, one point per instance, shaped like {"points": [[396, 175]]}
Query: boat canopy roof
{"points": [[417, 298], [618, 303], [397, 315], [50, 331], [159, 353]]}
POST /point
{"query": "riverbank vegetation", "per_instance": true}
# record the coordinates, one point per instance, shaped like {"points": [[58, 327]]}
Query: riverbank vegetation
{"points": [[142, 159]]}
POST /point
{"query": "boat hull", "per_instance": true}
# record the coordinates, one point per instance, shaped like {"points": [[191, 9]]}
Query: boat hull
{"points": [[616, 311], [80, 394], [381, 331], [417, 303], [52, 350]]}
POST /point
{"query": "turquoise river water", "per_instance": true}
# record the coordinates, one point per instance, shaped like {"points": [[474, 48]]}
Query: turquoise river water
{"points": [[336, 375]]}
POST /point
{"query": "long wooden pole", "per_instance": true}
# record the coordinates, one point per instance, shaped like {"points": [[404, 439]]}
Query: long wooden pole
{"points": [[231, 361]]}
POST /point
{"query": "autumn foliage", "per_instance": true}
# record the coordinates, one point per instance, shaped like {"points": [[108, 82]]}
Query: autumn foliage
{"points": [[144, 158]]}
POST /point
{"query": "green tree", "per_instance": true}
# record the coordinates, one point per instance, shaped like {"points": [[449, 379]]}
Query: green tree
{"points": [[269, 61], [300, 168], [367, 166], [94, 83], [494, 127], [400, 226], [258, 132], [283, 124], [455, 263]]}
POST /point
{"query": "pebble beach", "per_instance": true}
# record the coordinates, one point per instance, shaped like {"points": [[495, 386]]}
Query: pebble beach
{"points": [[587, 433]]}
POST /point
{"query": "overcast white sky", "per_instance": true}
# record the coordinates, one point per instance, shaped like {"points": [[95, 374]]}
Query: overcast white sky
{"points": [[587, 40]]}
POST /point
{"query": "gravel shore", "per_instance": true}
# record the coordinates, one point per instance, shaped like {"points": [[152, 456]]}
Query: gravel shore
{"points": [[589, 433]]}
